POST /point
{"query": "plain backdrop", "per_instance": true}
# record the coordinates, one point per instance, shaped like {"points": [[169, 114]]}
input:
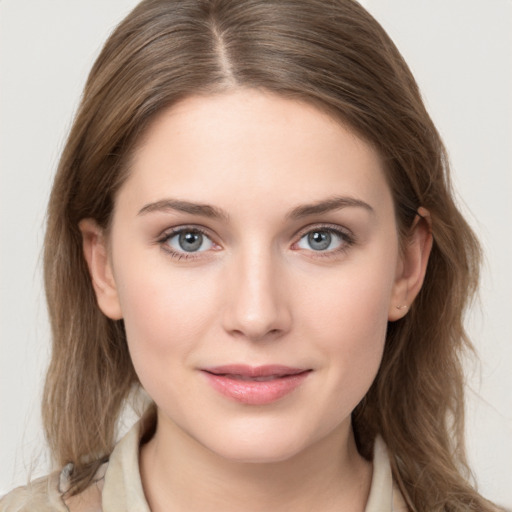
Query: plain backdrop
{"points": [[461, 54]]}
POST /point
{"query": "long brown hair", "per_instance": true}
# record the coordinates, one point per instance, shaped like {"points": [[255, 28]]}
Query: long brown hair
{"points": [[330, 53]]}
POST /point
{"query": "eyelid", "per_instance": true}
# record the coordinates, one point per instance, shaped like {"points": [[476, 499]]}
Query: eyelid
{"points": [[334, 228], [167, 233]]}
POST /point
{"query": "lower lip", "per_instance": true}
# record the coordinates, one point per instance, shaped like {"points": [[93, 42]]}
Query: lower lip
{"points": [[255, 392]]}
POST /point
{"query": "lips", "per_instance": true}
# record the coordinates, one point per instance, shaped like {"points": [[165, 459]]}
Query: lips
{"points": [[255, 385]]}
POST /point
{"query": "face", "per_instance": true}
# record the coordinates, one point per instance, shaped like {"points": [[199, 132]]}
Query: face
{"points": [[254, 258]]}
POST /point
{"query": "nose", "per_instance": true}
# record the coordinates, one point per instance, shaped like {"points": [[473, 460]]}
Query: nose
{"points": [[257, 305]]}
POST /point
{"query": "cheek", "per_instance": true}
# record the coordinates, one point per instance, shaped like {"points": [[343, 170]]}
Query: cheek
{"points": [[352, 304], [165, 314], [348, 315]]}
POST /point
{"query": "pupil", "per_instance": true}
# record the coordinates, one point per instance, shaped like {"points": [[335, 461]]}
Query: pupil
{"points": [[319, 240], [190, 241]]}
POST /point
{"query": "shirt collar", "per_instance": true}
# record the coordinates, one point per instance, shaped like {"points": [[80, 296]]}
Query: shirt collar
{"points": [[123, 490]]}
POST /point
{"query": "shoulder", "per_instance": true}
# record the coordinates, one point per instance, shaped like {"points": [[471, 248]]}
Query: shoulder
{"points": [[42, 495], [116, 482], [47, 495]]}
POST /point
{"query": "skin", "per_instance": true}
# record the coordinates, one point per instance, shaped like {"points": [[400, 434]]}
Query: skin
{"points": [[256, 293]]}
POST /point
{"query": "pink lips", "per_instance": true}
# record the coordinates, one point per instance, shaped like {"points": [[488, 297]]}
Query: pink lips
{"points": [[255, 385]]}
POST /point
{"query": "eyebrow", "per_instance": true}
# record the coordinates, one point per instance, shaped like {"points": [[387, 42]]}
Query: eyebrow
{"points": [[299, 212], [167, 205], [328, 205]]}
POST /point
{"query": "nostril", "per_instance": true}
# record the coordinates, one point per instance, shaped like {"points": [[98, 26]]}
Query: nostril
{"points": [[260, 335]]}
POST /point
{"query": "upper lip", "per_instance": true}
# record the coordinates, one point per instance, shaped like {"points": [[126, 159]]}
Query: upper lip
{"points": [[271, 370]]}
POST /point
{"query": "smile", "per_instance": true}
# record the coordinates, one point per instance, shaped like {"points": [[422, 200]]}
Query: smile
{"points": [[255, 385]]}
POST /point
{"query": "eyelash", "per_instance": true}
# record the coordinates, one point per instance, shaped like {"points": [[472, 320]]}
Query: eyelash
{"points": [[347, 240]]}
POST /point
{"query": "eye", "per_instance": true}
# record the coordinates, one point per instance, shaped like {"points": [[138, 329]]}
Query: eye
{"points": [[324, 240], [188, 241]]}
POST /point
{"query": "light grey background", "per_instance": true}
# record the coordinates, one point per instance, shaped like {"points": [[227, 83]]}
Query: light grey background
{"points": [[461, 54]]}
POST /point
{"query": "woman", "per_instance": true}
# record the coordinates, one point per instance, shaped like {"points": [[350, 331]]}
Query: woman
{"points": [[252, 220]]}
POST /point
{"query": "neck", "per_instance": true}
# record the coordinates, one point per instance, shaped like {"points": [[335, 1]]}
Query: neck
{"points": [[180, 474]]}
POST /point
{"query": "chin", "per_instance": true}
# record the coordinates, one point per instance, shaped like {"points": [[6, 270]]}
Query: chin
{"points": [[259, 453], [264, 447]]}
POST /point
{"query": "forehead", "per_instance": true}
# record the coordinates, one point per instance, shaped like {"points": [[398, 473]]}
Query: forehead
{"points": [[253, 144]]}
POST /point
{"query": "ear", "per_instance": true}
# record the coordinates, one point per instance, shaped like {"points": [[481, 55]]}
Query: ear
{"points": [[100, 268], [412, 266]]}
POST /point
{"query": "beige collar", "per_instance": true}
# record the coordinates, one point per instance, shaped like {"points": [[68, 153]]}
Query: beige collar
{"points": [[123, 490]]}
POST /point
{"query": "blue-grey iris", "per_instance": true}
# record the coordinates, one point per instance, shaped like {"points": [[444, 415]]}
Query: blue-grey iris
{"points": [[319, 240], [190, 241]]}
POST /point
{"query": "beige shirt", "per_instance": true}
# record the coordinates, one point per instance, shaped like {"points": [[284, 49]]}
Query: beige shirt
{"points": [[118, 486]]}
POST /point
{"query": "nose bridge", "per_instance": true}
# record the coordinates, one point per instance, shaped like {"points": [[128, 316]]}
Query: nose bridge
{"points": [[257, 307]]}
